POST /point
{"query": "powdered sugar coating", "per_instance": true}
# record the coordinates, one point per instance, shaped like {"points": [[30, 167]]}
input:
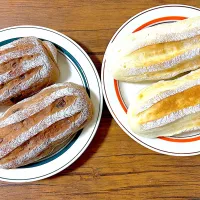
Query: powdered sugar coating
{"points": [[37, 107], [40, 148], [19, 160], [130, 66], [42, 125], [171, 117], [40, 60], [165, 65], [25, 67], [18, 54], [162, 95], [158, 34], [66, 89]]}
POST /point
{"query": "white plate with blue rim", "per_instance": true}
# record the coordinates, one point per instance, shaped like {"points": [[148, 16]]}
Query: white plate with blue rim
{"points": [[75, 66], [118, 95]]}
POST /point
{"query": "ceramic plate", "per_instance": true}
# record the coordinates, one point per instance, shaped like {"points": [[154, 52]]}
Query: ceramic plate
{"points": [[75, 66], [118, 94]]}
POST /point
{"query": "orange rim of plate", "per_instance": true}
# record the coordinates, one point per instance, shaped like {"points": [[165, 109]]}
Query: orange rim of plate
{"points": [[116, 86]]}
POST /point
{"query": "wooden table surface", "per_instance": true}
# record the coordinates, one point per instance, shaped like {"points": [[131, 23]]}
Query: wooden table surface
{"points": [[114, 166]]}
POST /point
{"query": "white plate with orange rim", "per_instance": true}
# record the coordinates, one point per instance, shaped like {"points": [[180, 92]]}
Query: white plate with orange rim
{"points": [[118, 94], [75, 66]]}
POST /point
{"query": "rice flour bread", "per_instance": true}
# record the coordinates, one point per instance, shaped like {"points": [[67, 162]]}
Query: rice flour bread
{"points": [[27, 65], [33, 128], [167, 108], [155, 53]]}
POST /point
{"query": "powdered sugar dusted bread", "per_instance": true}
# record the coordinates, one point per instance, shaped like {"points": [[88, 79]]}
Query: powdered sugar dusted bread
{"points": [[51, 50], [34, 127], [159, 52], [26, 67], [167, 108]]}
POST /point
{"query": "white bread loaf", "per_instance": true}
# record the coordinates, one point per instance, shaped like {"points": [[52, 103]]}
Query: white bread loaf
{"points": [[167, 108], [159, 52]]}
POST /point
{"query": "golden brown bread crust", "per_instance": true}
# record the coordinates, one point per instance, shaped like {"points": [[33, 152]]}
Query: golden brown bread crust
{"points": [[184, 99], [167, 108], [31, 129], [156, 53], [26, 67]]}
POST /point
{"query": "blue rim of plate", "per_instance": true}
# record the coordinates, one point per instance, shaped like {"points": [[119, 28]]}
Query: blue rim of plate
{"points": [[86, 85]]}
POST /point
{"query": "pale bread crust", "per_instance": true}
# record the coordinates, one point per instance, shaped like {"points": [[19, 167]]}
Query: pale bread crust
{"points": [[125, 68], [180, 113]]}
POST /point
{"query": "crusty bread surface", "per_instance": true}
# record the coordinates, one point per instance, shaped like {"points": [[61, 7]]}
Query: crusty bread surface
{"points": [[36, 126], [167, 108], [155, 53]]}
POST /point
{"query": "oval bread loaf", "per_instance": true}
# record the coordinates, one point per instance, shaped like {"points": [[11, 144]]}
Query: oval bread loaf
{"points": [[155, 53], [34, 127], [27, 65], [167, 108]]}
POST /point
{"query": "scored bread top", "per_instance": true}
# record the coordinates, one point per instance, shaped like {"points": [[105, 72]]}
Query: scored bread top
{"points": [[162, 33], [40, 122], [25, 68], [155, 53], [51, 49], [165, 104]]}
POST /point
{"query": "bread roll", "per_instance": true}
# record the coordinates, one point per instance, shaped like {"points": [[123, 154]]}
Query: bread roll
{"points": [[167, 108], [155, 53], [27, 65], [34, 127]]}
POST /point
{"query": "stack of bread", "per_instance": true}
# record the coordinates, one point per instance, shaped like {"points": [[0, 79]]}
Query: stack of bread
{"points": [[167, 107], [42, 116]]}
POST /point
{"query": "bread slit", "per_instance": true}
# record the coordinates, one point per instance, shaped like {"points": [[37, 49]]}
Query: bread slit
{"points": [[17, 59], [155, 53], [36, 146], [41, 123], [11, 132]]}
